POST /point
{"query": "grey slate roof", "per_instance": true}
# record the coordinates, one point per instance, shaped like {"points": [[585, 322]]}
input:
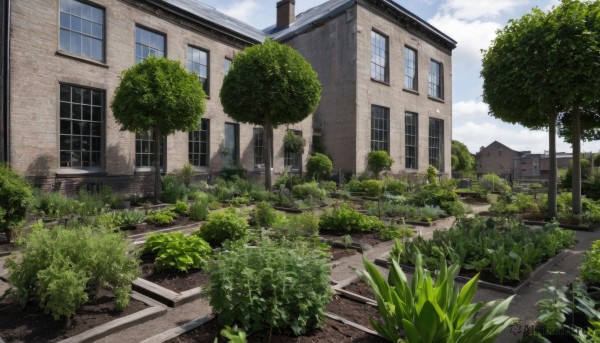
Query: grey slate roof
{"points": [[220, 20]]}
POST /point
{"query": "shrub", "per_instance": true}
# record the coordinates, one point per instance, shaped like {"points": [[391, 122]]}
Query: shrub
{"points": [[432, 175], [396, 232], [173, 189], [222, 226], [379, 160], [372, 188], [58, 264], [355, 186], [160, 217], [328, 186], [287, 180], [293, 143], [433, 310], [309, 190], [180, 207], [53, 204], [346, 219], [318, 165], [304, 224], [590, 266], [270, 287], [199, 210], [265, 215], [493, 183], [174, 250], [395, 187], [121, 219], [240, 201], [15, 195], [186, 174]]}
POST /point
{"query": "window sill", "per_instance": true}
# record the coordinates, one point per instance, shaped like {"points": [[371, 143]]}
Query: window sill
{"points": [[436, 99], [411, 91], [81, 59], [381, 82], [74, 172]]}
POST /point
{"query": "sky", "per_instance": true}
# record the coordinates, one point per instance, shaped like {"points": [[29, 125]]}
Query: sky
{"points": [[473, 24]]}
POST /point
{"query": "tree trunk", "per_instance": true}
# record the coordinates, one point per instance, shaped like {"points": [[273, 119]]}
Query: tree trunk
{"points": [[267, 139], [552, 177], [576, 182], [157, 181]]}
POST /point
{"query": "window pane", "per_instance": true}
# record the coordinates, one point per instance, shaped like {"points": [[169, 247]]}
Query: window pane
{"points": [[79, 21], [379, 128]]}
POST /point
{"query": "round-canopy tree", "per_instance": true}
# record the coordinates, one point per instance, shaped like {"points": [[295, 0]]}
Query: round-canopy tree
{"points": [[462, 160], [542, 66], [269, 85], [158, 95]]}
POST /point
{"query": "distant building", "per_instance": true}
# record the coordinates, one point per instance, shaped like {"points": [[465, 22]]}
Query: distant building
{"points": [[509, 164]]}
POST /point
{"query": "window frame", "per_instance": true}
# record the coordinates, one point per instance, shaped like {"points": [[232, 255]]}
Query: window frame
{"points": [[206, 84], [192, 142], [293, 160], [236, 155], [151, 30], [258, 140], [161, 155], [373, 64], [436, 161], [415, 68], [71, 53], [433, 87], [225, 66], [376, 144], [411, 131], [101, 124]]}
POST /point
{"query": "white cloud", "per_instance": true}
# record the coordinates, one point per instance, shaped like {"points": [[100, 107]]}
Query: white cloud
{"points": [[471, 108], [478, 9], [243, 10]]}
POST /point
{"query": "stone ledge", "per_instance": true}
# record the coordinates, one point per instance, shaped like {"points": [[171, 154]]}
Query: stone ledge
{"points": [[164, 295]]}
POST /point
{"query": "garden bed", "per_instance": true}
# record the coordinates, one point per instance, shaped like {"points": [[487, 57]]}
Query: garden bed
{"points": [[172, 280], [357, 312], [358, 238], [179, 222], [338, 253], [33, 325]]}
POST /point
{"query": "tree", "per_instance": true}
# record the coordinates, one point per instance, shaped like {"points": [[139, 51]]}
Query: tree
{"points": [[379, 160], [318, 165], [269, 85], [540, 68], [158, 95], [462, 160]]}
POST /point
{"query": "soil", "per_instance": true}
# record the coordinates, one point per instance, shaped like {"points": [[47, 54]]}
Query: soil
{"points": [[354, 311], [338, 253], [331, 332], [361, 288], [173, 280], [33, 325], [371, 238], [144, 228]]}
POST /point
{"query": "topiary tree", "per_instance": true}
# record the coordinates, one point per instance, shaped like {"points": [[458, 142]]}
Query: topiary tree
{"points": [[269, 85], [158, 95], [318, 165], [15, 194], [378, 161]]}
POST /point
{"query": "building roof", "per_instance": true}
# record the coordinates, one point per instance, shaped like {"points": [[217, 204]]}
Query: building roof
{"points": [[318, 14], [219, 21]]}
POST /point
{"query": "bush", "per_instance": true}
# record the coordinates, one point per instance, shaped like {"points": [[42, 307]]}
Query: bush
{"points": [[161, 217], [270, 287], [15, 195], [121, 219], [265, 215], [288, 181], [493, 183], [59, 264], [223, 226], [173, 189], [309, 190], [590, 266], [180, 207], [395, 187], [354, 186], [346, 219], [328, 186], [174, 250], [373, 188], [293, 143], [318, 165], [199, 210], [304, 224], [432, 175], [379, 160]]}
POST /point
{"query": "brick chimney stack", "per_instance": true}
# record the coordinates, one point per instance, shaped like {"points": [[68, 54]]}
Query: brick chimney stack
{"points": [[286, 13]]}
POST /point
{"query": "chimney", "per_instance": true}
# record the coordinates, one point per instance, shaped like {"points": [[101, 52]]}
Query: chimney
{"points": [[286, 13]]}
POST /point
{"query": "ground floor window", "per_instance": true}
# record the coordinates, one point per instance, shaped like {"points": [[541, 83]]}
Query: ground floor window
{"points": [[144, 150], [411, 136], [293, 160], [231, 145], [259, 148], [198, 148], [380, 128], [81, 126], [436, 143]]}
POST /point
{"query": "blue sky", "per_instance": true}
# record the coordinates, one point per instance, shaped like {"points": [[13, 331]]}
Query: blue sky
{"points": [[472, 23]]}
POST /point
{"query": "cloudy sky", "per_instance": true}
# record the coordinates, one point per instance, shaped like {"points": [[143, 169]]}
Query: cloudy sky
{"points": [[472, 23]]}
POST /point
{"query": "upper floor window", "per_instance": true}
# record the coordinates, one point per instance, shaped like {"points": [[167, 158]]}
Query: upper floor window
{"points": [[226, 65], [436, 143], [198, 152], [380, 128], [148, 43], [82, 29], [411, 131], [379, 57], [410, 68], [435, 80], [197, 61], [81, 126]]}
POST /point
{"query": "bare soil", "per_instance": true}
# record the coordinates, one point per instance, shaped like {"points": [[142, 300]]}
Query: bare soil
{"points": [[371, 238], [171, 279], [361, 288], [337, 253], [354, 311], [145, 228], [33, 325]]}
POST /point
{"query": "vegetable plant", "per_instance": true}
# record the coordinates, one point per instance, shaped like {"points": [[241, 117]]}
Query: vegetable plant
{"points": [[347, 219], [222, 226], [174, 250]]}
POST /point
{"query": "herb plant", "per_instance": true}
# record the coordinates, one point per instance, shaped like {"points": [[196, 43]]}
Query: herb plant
{"points": [[346, 219], [222, 226], [174, 250]]}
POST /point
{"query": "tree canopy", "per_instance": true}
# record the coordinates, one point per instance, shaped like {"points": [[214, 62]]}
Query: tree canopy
{"points": [[462, 160], [269, 85], [158, 95], [543, 66]]}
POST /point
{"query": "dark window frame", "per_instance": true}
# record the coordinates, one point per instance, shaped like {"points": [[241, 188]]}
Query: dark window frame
{"points": [[96, 135], [436, 81], [81, 32], [236, 153], [199, 145], [380, 128], [225, 66], [414, 67], [291, 160], [411, 140], [258, 134], [375, 65], [206, 83], [151, 30], [436, 143], [147, 157]]}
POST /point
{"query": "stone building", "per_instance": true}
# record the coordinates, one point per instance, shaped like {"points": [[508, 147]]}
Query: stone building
{"points": [[386, 78]]}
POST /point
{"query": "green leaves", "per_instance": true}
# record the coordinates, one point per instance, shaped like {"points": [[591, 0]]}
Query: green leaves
{"points": [[176, 251], [346, 219], [433, 311]]}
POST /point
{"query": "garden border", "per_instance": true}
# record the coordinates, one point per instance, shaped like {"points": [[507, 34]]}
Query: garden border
{"points": [[164, 295], [179, 330]]}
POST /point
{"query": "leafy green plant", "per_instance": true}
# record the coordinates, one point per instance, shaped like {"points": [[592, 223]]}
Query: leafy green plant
{"points": [[161, 217], [379, 160], [293, 143], [354, 186], [318, 166], [174, 250], [186, 174], [270, 287], [305, 224], [265, 215], [373, 188], [222, 226], [590, 266], [393, 231], [429, 310], [180, 207], [126, 219], [395, 186], [233, 334], [328, 186], [240, 201], [432, 175], [309, 190], [199, 210], [555, 307], [58, 264], [493, 183], [347, 219], [173, 189]]}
